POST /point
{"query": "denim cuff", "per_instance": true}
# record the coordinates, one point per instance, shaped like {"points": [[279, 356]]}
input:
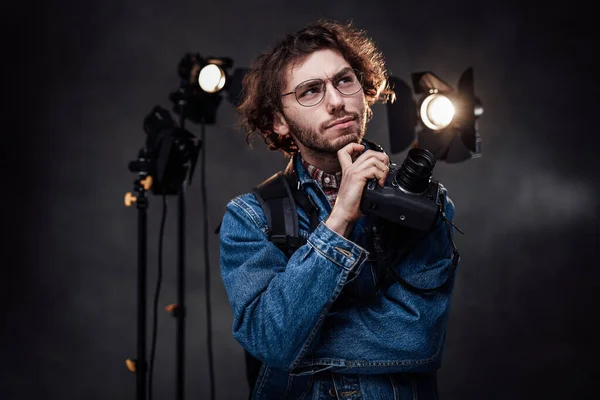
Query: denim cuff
{"points": [[338, 249]]}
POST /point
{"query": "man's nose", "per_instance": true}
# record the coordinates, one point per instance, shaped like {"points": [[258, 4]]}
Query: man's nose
{"points": [[333, 98]]}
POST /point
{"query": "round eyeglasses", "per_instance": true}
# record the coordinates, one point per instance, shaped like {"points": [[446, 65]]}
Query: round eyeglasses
{"points": [[311, 92]]}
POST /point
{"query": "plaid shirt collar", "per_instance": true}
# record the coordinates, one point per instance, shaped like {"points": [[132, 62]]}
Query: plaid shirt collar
{"points": [[330, 183]]}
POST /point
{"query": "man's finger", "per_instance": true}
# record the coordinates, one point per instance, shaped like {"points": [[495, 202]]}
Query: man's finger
{"points": [[346, 152], [369, 154], [382, 179]]}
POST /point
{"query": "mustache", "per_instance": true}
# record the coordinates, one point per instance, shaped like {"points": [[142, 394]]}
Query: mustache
{"points": [[354, 116]]}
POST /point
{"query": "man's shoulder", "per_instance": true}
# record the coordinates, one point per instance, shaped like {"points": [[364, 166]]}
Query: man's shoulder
{"points": [[242, 211], [250, 195], [252, 201], [245, 201], [248, 201]]}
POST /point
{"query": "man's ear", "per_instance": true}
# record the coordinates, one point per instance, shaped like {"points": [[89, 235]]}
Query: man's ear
{"points": [[280, 125]]}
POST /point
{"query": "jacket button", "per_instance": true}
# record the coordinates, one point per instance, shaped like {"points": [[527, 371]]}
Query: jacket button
{"points": [[332, 392]]}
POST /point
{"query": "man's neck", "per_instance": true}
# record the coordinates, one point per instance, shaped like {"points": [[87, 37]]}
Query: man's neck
{"points": [[326, 162]]}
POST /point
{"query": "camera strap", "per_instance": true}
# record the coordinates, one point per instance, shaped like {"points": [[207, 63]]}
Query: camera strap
{"points": [[381, 258]]}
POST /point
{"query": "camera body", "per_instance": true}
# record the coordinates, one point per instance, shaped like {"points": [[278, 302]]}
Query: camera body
{"points": [[409, 196]]}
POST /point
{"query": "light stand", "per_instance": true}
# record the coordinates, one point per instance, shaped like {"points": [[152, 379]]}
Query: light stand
{"points": [[180, 311], [167, 163], [185, 105], [198, 99], [141, 185], [169, 155]]}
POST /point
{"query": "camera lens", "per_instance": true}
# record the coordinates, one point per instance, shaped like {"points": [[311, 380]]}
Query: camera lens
{"points": [[415, 173]]}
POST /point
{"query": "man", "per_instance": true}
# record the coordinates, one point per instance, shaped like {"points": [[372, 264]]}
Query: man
{"points": [[329, 320]]}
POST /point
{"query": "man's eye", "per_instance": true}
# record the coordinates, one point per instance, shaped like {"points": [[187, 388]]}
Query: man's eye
{"points": [[311, 91], [345, 80]]}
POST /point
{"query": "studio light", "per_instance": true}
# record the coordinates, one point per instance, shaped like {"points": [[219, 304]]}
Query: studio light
{"points": [[436, 111], [212, 78], [448, 117], [203, 81], [436, 117]]}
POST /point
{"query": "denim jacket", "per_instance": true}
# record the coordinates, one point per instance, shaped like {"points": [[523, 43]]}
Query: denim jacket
{"points": [[327, 319]]}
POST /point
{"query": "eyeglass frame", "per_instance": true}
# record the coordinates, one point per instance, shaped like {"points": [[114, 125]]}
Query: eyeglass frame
{"points": [[358, 74]]}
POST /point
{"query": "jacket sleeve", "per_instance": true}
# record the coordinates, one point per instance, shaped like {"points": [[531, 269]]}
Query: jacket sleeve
{"points": [[278, 304]]}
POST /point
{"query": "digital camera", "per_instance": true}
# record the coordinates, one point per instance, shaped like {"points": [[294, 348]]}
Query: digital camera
{"points": [[409, 196]]}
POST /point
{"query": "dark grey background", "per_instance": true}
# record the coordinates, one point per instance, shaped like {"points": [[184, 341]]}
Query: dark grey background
{"points": [[80, 77]]}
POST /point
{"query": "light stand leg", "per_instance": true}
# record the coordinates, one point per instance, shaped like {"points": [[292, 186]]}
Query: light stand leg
{"points": [[181, 310], [141, 289]]}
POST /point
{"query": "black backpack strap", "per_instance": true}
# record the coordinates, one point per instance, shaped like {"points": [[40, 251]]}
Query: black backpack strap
{"points": [[278, 197], [279, 206]]}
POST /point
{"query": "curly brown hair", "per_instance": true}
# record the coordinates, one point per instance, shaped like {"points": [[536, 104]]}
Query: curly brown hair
{"points": [[262, 85]]}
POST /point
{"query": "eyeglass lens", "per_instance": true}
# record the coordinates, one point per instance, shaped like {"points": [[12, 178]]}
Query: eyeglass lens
{"points": [[311, 92]]}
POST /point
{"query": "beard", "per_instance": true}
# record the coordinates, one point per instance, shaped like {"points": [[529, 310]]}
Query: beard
{"points": [[314, 140]]}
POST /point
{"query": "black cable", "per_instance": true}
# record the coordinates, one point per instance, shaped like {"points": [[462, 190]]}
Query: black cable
{"points": [[411, 244], [207, 263], [157, 295]]}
